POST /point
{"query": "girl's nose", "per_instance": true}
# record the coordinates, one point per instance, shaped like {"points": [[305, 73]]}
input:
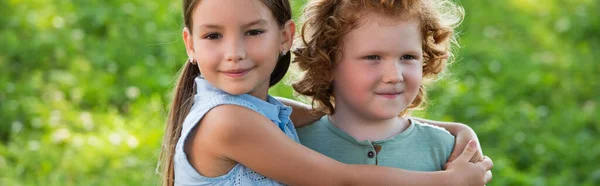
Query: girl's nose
{"points": [[235, 50]]}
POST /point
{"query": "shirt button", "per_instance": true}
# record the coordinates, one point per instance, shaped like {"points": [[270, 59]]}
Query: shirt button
{"points": [[371, 154]]}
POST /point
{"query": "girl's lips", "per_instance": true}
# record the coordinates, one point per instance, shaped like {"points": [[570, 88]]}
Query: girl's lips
{"points": [[236, 73]]}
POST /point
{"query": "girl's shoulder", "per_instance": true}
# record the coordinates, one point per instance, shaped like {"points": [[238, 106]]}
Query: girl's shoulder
{"points": [[225, 112], [223, 131], [228, 121]]}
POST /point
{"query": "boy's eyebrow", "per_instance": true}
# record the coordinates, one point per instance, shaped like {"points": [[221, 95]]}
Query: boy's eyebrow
{"points": [[385, 52], [252, 23]]}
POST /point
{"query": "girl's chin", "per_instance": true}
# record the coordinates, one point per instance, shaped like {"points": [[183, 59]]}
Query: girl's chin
{"points": [[235, 90]]}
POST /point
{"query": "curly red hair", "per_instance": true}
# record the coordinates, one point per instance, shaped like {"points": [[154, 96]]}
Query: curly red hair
{"points": [[327, 21]]}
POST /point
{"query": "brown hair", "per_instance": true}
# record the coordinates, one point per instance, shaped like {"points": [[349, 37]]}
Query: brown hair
{"points": [[327, 21], [184, 90]]}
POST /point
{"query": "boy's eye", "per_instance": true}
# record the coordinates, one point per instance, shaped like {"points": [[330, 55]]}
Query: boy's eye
{"points": [[254, 32], [408, 57], [212, 36], [373, 57]]}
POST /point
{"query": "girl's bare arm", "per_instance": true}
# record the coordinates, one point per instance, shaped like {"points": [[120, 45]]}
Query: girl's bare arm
{"points": [[302, 114], [254, 141]]}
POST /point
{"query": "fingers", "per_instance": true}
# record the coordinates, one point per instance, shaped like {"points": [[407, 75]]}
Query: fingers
{"points": [[458, 149], [468, 152], [455, 153], [477, 157], [487, 163], [488, 176]]}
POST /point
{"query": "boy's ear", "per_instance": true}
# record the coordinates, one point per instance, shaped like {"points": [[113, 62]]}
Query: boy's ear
{"points": [[287, 35], [189, 42]]}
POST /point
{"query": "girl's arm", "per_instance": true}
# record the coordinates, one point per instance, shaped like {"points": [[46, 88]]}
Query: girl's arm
{"points": [[463, 134], [302, 114], [254, 141]]}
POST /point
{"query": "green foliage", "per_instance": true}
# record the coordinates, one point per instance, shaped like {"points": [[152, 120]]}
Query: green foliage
{"points": [[85, 87], [526, 81]]}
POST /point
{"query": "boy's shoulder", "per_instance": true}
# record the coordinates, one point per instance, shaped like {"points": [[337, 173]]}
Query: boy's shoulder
{"points": [[432, 132], [437, 139], [317, 126], [318, 133]]}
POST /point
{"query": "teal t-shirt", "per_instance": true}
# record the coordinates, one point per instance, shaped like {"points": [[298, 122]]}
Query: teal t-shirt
{"points": [[421, 147]]}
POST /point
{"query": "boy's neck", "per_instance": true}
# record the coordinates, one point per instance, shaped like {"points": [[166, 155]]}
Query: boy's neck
{"points": [[366, 129]]}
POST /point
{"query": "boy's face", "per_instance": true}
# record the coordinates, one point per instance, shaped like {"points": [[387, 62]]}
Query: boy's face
{"points": [[381, 67]]}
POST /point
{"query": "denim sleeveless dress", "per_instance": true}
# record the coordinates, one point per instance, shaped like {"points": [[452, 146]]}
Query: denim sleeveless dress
{"points": [[208, 97]]}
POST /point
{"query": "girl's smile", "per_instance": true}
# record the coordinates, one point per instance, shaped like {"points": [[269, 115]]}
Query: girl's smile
{"points": [[237, 44], [237, 73]]}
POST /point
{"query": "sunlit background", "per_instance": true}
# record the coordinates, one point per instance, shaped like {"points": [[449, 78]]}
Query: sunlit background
{"points": [[84, 89]]}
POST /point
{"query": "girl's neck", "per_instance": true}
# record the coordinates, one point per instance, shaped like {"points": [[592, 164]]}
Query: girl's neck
{"points": [[261, 92], [362, 128]]}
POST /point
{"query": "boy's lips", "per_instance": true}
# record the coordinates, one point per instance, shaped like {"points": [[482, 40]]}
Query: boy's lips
{"points": [[390, 95]]}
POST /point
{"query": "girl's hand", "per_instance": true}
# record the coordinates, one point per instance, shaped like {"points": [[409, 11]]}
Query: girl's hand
{"points": [[464, 134], [468, 173]]}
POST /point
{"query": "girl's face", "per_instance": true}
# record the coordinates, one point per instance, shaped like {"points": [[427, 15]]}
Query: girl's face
{"points": [[236, 44], [381, 67]]}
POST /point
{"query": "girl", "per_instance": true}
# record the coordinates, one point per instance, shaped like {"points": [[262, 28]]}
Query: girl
{"points": [[224, 129], [364, 63]]}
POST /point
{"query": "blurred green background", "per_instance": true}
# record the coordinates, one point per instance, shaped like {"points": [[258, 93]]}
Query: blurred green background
{"points": [[85, 85]]}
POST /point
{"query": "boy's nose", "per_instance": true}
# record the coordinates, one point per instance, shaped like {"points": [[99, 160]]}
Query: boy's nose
{"points": [[392, 73]]}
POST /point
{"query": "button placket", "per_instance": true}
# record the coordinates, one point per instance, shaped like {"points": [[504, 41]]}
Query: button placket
{"points": [[369, 155], [377, 150]]}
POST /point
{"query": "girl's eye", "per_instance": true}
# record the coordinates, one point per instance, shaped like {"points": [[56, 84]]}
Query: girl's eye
{"points": [[212, 36], [254, 32], [373, 57], [408, 57]]}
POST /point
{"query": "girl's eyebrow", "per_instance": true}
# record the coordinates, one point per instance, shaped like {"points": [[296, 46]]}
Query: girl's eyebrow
{"points": [[220, 27], [255, 22]]}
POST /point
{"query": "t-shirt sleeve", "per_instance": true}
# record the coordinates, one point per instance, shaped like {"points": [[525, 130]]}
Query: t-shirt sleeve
{"points": [[443, 140]]}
